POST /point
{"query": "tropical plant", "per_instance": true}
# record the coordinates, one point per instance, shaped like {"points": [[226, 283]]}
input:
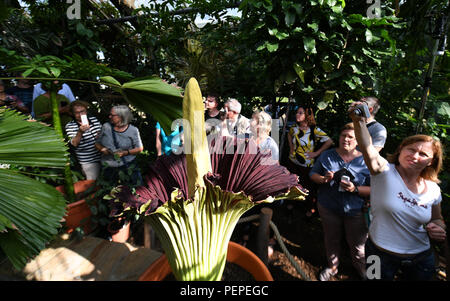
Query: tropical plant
{"points": [[152, 96], [30, 211], [194, 200]]}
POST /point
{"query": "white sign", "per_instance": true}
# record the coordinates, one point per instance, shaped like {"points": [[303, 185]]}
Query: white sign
{"points": [[374, 11], [74, 11], [373, 271]]}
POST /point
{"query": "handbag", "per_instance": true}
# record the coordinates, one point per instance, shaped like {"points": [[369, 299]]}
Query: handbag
{"points": [[116, 145], [136, 176]]}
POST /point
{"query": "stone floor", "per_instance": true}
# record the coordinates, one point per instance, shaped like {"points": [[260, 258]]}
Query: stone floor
{"points": [[88, 259]]}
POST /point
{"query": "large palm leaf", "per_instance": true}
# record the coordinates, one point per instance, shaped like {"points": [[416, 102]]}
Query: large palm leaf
{"points": [[30, 211], [152, 96]]}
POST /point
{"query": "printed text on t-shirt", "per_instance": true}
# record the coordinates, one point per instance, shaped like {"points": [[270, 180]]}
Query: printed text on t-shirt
{"points": [[410, 202]]}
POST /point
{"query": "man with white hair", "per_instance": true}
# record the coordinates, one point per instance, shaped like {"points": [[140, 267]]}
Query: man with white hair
{"points": [[237, 124]]}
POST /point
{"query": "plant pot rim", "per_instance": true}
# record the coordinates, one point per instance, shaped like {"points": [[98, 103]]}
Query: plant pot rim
{"points": [[79, 187], [236, 254], [79, 210], [75, 204]]}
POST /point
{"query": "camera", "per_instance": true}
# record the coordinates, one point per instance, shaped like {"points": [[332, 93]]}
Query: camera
{"points": [[362, 110], [345, 179]]}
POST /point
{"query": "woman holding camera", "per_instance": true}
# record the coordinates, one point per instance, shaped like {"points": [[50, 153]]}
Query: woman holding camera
{"points": [[405, 203], [82, 132], [343, 180]]}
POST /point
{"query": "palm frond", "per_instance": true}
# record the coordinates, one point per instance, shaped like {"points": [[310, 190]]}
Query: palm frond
{"points": [[29, 143], [30, 211], [30, 214], [152, 96]]}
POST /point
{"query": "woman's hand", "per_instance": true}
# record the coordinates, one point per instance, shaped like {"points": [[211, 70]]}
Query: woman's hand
{"points": [[435, 231], [122, 153], [105, 151], [347, 186], [327, 177], [312, 155], [84, 128]]}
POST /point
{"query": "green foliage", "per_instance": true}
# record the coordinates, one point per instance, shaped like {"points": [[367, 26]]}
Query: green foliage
{"points": [[28, 220], [53, 67], [316, 49], [325, 53], [100, 203]]}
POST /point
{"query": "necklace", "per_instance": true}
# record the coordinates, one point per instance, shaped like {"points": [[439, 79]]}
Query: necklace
{"points": [[121, 129]]}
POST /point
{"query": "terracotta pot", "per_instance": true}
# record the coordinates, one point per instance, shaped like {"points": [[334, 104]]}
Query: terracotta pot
{"points": [[78, 213], [122, 234], [236, 254]]}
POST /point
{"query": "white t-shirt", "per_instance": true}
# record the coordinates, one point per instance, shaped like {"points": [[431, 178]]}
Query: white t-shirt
{"points": [[399, 214]]}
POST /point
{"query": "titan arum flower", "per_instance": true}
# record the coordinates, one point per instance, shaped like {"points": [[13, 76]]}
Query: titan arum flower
{"points": [[194, 200]]}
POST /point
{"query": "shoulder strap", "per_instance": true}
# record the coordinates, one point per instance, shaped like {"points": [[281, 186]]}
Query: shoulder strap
{"points": [[237, 123], [115, 143], [371, 123], [312, 135]]}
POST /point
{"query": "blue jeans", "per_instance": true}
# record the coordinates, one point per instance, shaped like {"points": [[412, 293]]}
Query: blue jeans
{"points": [[420, 267]]}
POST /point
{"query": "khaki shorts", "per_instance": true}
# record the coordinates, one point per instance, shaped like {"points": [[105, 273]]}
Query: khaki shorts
{"points": [[91, 170]]}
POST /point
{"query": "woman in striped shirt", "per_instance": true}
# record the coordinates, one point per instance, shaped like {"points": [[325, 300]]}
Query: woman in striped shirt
{"points": [[82, 138]]}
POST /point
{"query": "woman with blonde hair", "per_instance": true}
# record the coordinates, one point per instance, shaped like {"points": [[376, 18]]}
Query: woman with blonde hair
{"points": [[405, 204], [260, 126]]}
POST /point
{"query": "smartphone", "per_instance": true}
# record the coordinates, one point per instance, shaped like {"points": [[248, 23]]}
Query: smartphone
{"points": [[345, 179], [84, 119]]}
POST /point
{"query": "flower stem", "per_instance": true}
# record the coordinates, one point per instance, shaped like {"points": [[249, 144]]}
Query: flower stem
{"points": [[195, 233]]}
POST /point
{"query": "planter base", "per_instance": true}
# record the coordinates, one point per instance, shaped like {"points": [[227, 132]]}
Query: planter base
{"points": [[122, 234], [78, 213], [237, 254]]}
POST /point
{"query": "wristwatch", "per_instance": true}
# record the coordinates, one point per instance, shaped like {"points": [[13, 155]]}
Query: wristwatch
{"points": [[356, 191]]}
